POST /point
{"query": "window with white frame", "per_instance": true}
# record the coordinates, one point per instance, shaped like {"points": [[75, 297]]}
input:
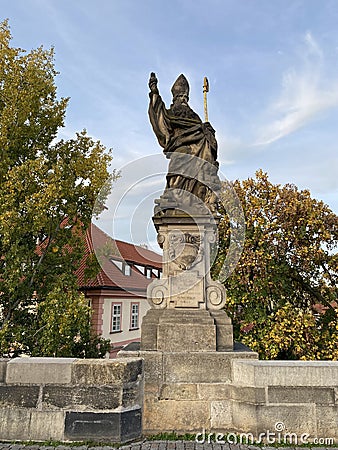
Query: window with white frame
{"points": [[122, 265], [116, 317], [127, 270], [134, 316]]}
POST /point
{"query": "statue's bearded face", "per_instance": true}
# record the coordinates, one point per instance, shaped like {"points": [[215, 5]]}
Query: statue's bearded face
{"points": [[180, 107], [181, 99]]}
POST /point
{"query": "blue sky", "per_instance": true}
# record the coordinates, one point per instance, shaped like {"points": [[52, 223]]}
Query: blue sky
{"points": [[273, 73]]}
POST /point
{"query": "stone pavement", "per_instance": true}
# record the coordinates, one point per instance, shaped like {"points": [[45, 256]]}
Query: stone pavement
{"points": [[156, 445]]}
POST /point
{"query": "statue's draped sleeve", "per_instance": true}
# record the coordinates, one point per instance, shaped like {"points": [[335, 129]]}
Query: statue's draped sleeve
{"points": [[159, 119]]}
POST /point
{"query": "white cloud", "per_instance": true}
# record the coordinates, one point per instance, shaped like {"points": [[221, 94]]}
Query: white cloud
{"points": [[306, 93], [312, 45]]}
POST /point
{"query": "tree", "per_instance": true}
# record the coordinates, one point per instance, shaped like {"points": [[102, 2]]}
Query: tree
{"points": [[48, 192], [283, 293]]}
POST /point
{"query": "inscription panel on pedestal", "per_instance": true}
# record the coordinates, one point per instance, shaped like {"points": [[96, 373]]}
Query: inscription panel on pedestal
{"points": [[186, 290]]}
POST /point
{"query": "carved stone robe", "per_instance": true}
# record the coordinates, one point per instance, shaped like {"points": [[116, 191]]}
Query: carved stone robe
{"points": [[191, 147]]}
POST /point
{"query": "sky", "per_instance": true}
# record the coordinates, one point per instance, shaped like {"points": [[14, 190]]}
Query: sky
{"points": [[272, 68]]}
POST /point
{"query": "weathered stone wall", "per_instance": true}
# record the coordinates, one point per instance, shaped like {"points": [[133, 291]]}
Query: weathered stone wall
{"points": [[71, 399], [302, 395], [234, 392]]}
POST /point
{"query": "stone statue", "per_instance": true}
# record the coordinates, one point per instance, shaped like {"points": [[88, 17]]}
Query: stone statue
{"points": [[186, 304], [190, 145]]}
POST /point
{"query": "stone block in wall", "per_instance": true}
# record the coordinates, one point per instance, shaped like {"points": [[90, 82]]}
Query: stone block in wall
{"points": [[179, 416], [118, 426], [249, 394], [152, 369], [149, 330], [206, 367], [203, 367], [244, 417], [14, 424], [13, 396], [213, 391], [220, 414], [285, 373], [39, 371], [132, 395], [301, 394], [106, 372], [28, 424], [327, 422], [3, 366], [256, 419], [153, 366], [47, 425], [297, 419], [179, 391], [81, 397], [173, 337]]}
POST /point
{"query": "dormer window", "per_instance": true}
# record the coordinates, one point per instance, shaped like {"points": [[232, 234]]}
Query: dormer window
{"points": [[140, 268], [118, 264], [124, 267], [147, 271]]}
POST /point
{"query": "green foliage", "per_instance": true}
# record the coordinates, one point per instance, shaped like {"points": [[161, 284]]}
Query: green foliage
{"points": [[65, 326], [289, 264], [48, 192], [61, 324], [172, 436]]}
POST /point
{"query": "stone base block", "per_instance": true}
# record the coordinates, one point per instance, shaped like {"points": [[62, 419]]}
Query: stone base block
{"points": [[149, 329], [296, 418], [327, 422], [177, 416], [286, 373], [121, 426], [39, 370], [183, 330], [206, 367], [224, 331], [220, 415], [47, 425], [19, 396], [29, 424], [106, 372]]}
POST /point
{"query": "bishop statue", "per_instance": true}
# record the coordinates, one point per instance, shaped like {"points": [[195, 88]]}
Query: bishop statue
{"points": [[189, 143]]}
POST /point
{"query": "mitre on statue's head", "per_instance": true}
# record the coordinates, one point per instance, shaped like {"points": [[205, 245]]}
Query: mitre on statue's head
{"points": [[181, 86]]}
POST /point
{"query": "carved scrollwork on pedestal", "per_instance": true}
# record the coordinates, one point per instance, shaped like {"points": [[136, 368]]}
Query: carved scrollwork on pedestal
{"points": [[212, 238], [215, 296], [157, 294]]}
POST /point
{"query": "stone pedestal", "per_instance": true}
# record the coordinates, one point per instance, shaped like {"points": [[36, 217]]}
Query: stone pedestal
{"points": [[186, 283], [186, 303]]}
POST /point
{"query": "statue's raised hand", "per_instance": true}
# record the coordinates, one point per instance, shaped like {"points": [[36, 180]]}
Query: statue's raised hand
{"points": [[153, 83]]}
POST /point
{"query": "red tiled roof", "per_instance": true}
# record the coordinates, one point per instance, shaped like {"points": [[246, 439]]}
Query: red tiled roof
{"points": [[318, 308], [110, 275]]}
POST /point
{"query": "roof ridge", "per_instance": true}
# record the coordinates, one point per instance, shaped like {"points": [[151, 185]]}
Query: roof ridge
{"points": [[122, 242]]}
